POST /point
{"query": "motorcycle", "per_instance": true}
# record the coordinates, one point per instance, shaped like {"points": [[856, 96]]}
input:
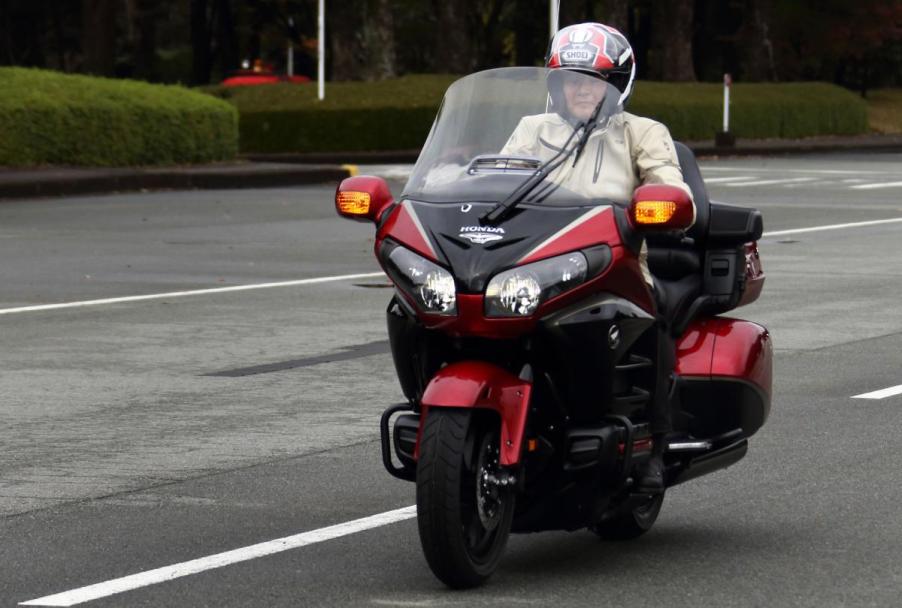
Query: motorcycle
{"points": [[523, 333]]}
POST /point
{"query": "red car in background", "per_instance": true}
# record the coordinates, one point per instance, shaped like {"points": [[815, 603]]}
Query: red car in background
{"points": [[260, 73]]}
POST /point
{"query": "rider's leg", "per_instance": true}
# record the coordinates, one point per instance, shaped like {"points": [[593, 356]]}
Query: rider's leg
{"points": [[651, 476]]}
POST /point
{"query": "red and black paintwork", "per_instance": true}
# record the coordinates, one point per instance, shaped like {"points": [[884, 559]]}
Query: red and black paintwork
{"points": [[558, 381]]}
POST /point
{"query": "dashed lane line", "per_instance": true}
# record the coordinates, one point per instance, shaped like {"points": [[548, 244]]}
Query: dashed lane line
{"points": [[329, 279], [812, 171], [881, 394], [183, 294], [219, 560], [877, 185], [724, 180], [893, 220], [771, 182]]}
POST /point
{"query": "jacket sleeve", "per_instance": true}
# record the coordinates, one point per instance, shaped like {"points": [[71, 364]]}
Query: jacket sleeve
{"points": [[522, 141], [655, 158]]}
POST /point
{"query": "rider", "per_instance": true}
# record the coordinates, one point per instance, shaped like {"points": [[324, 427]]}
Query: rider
{"points": [[624, 152]]}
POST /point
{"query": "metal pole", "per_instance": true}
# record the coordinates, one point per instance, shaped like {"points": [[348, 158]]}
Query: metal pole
{"points": [[727, 81], [554, 10], [290, 49], [321, 51]]}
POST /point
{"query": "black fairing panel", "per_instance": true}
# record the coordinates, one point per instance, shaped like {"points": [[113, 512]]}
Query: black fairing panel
{"points": [[474, 264], [718, 405], [416, 351], [574, 344]]}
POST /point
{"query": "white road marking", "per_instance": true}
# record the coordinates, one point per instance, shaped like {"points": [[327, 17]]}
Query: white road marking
{"points": [[723, 180], [329, 279], [879, 185], [194, 566], [182, 294], [881, 394], [772, 182], [813, 171], [832, 227]]}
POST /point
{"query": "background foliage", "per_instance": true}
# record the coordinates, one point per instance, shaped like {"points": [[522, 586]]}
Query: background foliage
{"points": [[48, 117], [397, 114], [857, 44]]}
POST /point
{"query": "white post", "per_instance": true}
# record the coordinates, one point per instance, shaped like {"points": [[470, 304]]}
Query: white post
{"points": [[727, 81], [290, 50], [321, 51], [553, 14]]}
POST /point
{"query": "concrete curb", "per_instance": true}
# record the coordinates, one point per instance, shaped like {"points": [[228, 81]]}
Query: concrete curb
{"points": [[49, 182], [274, 170], [776, 147], [743, 147]]}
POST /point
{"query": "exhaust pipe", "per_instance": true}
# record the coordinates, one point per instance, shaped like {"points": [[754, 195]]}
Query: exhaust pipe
{"points": [[720, 458]]}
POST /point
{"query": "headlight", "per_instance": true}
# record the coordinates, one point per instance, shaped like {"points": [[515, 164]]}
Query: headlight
{"points": [[430, 285], [519, 291]]}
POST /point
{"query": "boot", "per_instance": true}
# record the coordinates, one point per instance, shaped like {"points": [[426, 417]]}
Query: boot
{"points": [[651, 474]]}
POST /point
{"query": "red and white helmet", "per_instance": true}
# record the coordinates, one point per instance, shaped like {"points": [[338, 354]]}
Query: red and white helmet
{"points": [[598, 50]]}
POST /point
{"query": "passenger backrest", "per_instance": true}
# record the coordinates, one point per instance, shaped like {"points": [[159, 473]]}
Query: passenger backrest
{"points": [[693, 178]]}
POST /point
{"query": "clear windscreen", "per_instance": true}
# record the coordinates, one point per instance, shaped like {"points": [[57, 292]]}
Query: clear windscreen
{"points": [[495, 128]]}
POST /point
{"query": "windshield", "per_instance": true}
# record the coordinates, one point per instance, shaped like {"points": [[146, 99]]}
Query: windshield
{"points": [[495, 128]]}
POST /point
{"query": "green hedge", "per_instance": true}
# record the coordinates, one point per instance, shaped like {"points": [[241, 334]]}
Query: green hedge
{"points": [[789, 110], [386, 115], [397, 114], [49, 117], [885, 110]]}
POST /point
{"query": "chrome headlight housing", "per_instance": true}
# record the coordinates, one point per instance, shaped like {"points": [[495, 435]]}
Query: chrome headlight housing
{"points": [[431, 286], [518, 292]]}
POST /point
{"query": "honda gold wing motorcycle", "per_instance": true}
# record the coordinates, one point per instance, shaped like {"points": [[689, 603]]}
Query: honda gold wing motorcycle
{"points": [[523, 333]]}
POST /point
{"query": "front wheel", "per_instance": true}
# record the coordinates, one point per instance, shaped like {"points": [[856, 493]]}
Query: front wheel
{"points": [[631, 524], [464, 513]]}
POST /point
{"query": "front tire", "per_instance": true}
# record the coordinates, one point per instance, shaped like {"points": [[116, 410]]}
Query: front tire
{"points": [[464, 521], [631, 524]]}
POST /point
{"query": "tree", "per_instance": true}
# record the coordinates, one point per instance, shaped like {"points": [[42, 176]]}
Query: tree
{"points": [[202, 53], [143, 18], [454, 48], [756, 49], [670, 53], [616, 14], [99, 36], [858, 45], [361, 40], [530, 33]]}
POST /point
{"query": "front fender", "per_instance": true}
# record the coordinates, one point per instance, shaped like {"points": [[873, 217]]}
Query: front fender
{"points": [[476, 384]]}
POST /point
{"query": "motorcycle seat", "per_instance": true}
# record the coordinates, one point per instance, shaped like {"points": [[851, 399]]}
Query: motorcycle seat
{"points": [[701, 270], [676, 264]]}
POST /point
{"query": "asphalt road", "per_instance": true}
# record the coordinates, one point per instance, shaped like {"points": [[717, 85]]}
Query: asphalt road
{"points": [[139, 434]]}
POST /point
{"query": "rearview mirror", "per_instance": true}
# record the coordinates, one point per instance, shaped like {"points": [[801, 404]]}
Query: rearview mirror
{"points": [[363, 198], [660, 207]]}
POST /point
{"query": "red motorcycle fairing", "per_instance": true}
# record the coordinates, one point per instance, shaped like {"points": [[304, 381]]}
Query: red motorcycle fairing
{"points": [[721, 346], [590, 226], [403, 225], [721, 354], [622, 277], [476, 384]]}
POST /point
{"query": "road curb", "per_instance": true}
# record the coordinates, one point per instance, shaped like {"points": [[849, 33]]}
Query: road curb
{"points": [[275, 170], [883, 143], [72, 182], [743, 147]]}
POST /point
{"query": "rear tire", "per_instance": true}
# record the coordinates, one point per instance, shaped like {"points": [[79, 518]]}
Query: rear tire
{"points": [[631, 524], [464, 523]]}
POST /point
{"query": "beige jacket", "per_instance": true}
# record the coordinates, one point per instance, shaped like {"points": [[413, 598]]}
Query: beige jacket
{"points": [[624, 154]]}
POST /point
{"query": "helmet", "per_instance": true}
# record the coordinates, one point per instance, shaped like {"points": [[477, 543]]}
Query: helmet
{"points": [[598, 50]]}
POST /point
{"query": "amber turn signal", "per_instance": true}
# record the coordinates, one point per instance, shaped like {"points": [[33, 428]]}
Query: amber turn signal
{"points": [[654, 212], [353, 203]]}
